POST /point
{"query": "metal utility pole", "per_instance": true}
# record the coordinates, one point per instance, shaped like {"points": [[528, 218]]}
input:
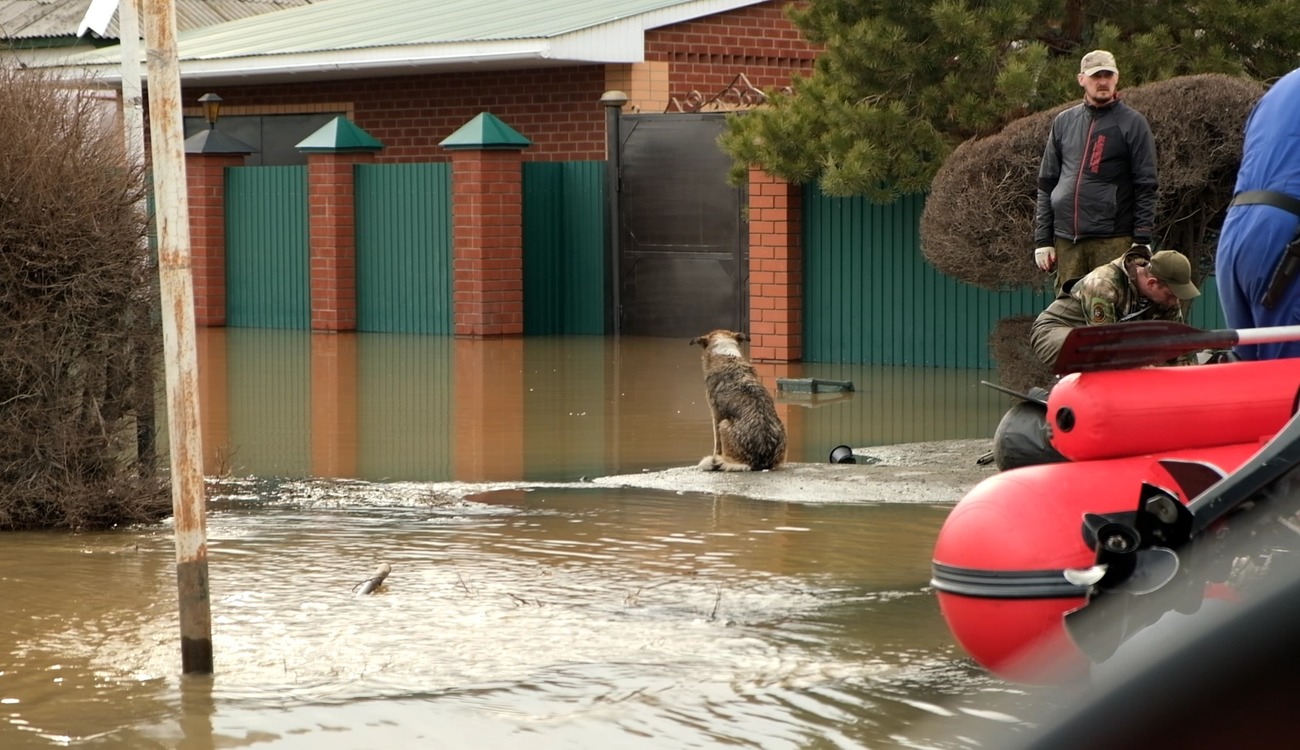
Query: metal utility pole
{"points": [[172, 210], [613, 102], [128, 25]]}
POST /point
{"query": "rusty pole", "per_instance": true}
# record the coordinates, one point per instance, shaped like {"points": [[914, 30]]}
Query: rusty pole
{"points": [[172, 210]]}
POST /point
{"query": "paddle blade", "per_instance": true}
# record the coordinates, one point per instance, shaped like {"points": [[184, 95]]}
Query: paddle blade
{"points": [[1135, 344]]}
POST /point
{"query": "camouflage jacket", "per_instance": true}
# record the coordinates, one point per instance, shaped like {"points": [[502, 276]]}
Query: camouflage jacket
{"points": [[1107, 295]]}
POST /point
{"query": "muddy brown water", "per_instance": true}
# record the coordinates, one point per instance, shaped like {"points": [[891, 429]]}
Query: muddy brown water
{"points": [[527, 607]]}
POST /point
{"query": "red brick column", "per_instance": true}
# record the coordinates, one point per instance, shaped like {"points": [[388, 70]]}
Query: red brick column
{"points": [[775, 269], [206, 192], [331, 194], [487, 236]]}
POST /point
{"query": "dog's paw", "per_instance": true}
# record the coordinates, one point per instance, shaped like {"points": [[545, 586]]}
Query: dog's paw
{"points": [[710, 463]]}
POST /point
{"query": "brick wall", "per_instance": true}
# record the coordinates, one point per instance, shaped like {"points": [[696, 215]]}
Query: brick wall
{"points": [[558, 109], [706, 55]]}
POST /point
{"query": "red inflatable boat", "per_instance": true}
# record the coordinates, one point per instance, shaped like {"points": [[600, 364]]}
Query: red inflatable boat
{"points": [[1000, 559], [1110, 414], [1151, 467]]}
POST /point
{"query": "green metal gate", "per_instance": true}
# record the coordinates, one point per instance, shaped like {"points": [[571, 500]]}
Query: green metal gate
{"points": [[267, 248], [404, 248], [564, 248]]}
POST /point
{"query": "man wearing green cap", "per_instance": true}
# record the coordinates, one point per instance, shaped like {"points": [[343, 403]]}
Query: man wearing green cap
{"points": [[1134, 287], [1097, 179]]}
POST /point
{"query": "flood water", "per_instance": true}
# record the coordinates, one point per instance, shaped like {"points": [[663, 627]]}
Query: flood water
{"points": [[526, 608]]}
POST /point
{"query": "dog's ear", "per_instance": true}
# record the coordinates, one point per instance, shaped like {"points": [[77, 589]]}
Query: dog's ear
{"points": [[742, 337], [698, 340]]}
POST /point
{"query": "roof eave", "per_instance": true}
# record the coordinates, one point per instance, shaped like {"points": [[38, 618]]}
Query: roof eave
{"points": [[381, 61]]}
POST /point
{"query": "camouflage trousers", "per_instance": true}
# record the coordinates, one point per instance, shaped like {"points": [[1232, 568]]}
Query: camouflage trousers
{"points": [[1076, 259]]}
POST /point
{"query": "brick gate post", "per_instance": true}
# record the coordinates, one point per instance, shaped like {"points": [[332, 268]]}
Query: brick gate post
{"points": [[205, 189], [332, 152], [775, 268], [487, 227]]}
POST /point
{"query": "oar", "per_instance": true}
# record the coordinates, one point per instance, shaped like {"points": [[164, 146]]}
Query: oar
{"points": [[1027, 397], [1151, 342]]}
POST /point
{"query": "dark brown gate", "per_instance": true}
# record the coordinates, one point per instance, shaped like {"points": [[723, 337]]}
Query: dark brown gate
{"points": [[682, 253]]}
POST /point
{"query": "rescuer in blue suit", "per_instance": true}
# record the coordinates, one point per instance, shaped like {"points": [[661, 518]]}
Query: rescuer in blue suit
{"points": [[1259, 249]]}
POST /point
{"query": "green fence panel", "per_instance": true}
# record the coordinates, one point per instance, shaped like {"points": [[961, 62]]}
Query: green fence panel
{"points": [[267, 248], [1206, 310], [564, 248], [871, 298], [404, 248]]}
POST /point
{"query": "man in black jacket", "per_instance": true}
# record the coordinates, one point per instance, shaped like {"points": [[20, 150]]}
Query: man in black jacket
{"points": [[1097, 181]]}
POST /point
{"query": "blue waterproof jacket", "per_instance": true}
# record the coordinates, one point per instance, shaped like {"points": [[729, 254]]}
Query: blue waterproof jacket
{"points": [[1254, 236]]}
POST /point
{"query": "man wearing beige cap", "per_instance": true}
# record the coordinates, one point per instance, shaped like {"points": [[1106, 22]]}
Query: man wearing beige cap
{"points": [[1134, 287], [1097, 180]]}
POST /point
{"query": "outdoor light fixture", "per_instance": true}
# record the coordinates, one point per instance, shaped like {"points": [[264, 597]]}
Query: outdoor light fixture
{"points": [[211, 108], [613, 99]]}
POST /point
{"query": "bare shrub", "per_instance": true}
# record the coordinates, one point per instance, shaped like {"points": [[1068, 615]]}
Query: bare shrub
{"points": [[79, 343], [978, 223], [1018, 367]]}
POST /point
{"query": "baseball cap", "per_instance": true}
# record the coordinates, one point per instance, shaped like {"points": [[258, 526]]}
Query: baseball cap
{"points": [[1097, 61], [1173, 268]]}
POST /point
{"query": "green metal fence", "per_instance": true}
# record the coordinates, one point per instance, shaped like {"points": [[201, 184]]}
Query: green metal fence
{"points": [[870, 297], [267, 248], [404, 248], [564, 248]]}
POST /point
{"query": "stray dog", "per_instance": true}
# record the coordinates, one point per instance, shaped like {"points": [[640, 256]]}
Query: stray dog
{"points": [[747, 433]]}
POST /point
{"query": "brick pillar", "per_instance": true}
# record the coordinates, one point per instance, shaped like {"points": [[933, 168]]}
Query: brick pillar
{"points": [[332, 209], [775, 269], [206, 192], [487, 235]]}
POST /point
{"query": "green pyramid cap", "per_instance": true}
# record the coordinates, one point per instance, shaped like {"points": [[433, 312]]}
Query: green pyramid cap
{"points": [[340, 134], [485, 131], [213, 141]]}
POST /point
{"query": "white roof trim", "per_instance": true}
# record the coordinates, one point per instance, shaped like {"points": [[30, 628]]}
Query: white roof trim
{"points": [[380, 60], [98, 16]]}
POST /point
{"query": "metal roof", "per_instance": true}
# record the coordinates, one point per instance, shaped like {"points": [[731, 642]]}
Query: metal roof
{"points": [[34, 19], [341, 38], [351, 24]]}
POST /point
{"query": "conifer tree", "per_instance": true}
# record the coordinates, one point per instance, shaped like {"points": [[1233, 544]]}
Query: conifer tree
{"points": [[903, 82]]}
